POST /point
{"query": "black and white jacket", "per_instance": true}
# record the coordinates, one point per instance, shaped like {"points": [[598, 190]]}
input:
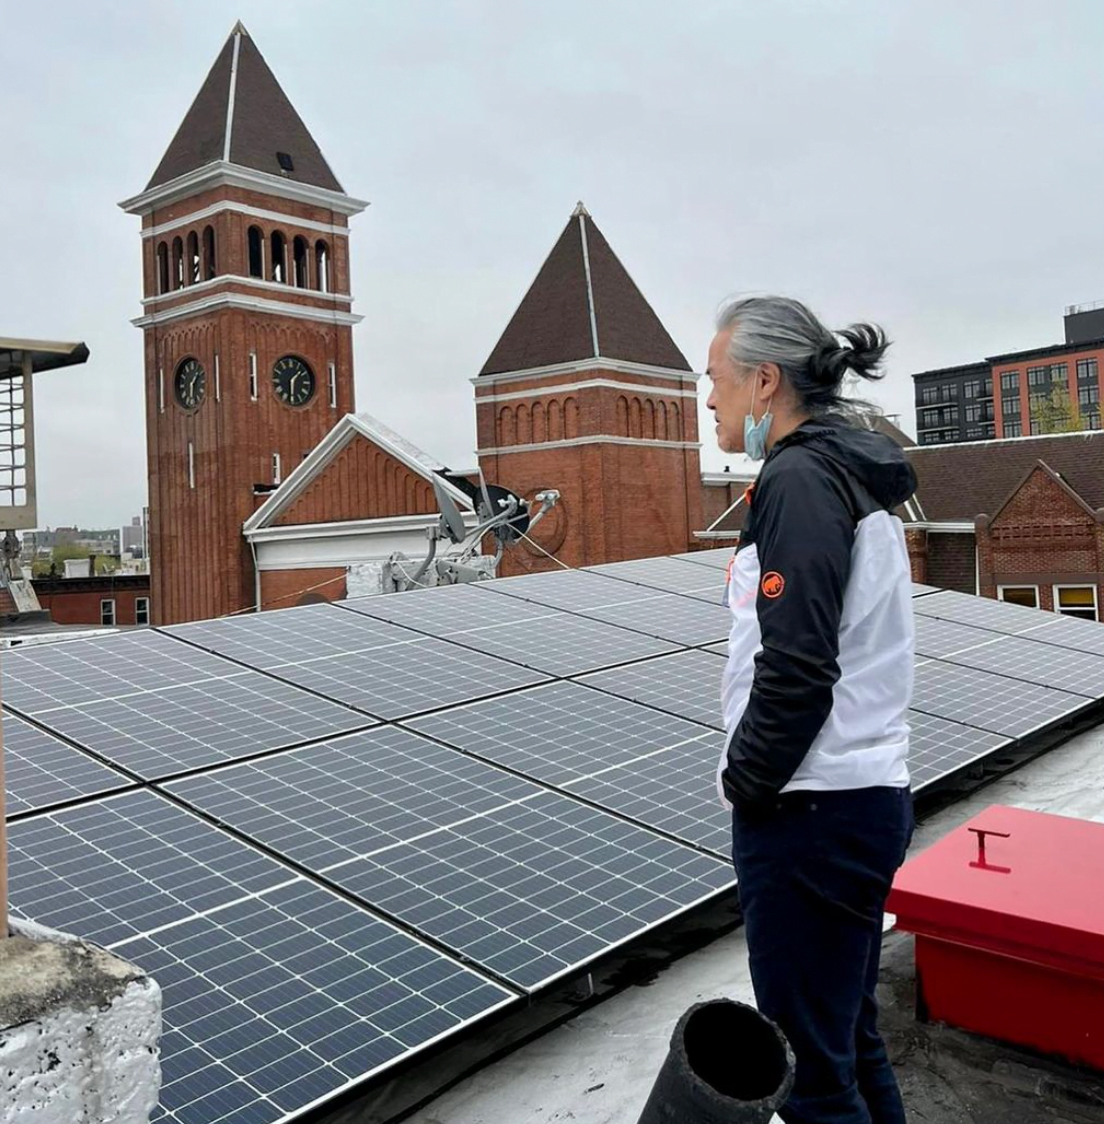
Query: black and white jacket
{"points": [[820, 664]]}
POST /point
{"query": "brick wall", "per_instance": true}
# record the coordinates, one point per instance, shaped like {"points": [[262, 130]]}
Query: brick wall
{"points": [[951, 561], [281, 589], [77, 600]]}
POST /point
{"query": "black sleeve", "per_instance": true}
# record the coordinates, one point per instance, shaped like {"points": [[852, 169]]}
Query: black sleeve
{"points": [[804, 534]]}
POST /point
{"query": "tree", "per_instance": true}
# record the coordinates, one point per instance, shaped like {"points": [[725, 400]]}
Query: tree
{"points": [[1056, 412]]}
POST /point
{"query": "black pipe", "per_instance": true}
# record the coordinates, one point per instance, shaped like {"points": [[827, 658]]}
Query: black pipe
{"points": [[728, 1064]]}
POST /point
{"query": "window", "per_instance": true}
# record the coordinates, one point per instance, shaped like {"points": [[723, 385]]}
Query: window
{"points": [[1076, 601], [971, 389], [161, 389], [191, 465], [1026, 595], [973, 433], [321, 266], [208, 253], [929, 395], [333, 386], [1010, 382], [987, 386], [256, 252], [1038, 376], [1059, 372], [1094, 421], [1036, 427], [278, 246], [253, 375], [948, 392], [1013, 428], [107, 611], [1088, 396], [1010, 407], [141, 610], [162, 267], [218, 380], [177, 264], [301, 256], [989, 430], [193, 258], [1086, 370], [973, 413], [275, 468]]}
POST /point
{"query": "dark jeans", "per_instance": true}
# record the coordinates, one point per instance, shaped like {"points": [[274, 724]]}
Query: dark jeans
{"points": [[814, 872]]}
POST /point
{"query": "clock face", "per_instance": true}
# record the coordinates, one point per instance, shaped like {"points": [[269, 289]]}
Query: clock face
{"points": [[190, 384], [293, 381]]}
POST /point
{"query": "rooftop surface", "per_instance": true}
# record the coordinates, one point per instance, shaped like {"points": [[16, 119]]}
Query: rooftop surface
{"points": [[599, 1067]]}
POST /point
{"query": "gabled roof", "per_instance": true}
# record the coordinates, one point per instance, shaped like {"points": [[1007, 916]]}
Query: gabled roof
{"points": [[583, 305], [957, 482], [350, 427], [242, 116], [1055, 478]]}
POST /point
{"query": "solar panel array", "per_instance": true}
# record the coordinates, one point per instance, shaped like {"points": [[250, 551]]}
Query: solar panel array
{"points": [[337, 833]]}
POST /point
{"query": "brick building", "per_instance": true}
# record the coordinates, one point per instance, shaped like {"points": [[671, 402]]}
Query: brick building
{"points": [[108, 600], [1009, 395], [247, 325], [1021, 520]]}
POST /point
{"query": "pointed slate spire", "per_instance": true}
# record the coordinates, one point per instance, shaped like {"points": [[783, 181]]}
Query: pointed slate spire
{"points": [[241, 115], [583, 305]]}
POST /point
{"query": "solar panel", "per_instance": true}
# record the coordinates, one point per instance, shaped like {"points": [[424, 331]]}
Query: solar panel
{"points": [[42, 772], [718, 558], [668, 574], [1068, 632], [277, 994], [561, 645], [720, 649], [448, 609], [161, 733], [530, 885], [290, 636], [668, 616], [404, 679], [939, 638], [982, 612], [939, 748], [654, 768], [687, 684], [991, 702], [44, 676]]}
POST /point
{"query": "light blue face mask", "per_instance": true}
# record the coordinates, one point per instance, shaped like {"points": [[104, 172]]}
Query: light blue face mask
{"points": [[755, 434]]}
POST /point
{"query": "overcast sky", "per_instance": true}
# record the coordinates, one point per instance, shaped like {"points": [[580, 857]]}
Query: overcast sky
{"points": [[930, 164]]}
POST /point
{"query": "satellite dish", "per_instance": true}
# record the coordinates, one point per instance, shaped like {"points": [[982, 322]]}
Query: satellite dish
{"points": [[493, 501], [451, 518]]}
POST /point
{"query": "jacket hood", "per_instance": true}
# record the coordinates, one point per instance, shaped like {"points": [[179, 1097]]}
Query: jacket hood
{"points": [[876, 461]]}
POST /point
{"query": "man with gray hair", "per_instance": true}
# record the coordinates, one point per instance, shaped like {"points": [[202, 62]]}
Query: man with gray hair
{"points": [[815, 694]]}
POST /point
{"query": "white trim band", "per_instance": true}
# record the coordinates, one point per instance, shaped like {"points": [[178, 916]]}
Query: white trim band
{"points": [[586, 384], [238, 279], [595, 439], [578, 366], [245, 209], [221, 173], [251, 304]]}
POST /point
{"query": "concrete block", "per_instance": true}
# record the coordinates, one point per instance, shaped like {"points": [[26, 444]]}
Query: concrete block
{"points": [[79, 1031]]}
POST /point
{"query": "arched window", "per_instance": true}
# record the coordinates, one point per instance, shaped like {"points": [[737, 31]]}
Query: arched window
{"points": [[278, 268], [571, 418], [507, 435], [634, 418], [539, 432], [177, 263], [301, 257], [524, 433], [649, 419], [192, 271], [162, 267], [321, 266], [256, 252], [555, 421], [622, 423], [662, 432], [209, 268], [676, 422]]}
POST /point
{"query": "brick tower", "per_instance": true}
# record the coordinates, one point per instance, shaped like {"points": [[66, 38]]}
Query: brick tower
{"points": [[247, 325], [587, 393]]}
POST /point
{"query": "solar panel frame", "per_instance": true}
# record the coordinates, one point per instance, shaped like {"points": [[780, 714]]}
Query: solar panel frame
{"points": [[717, 557], [940, 748], [42, 771], [241, 945], [667, 574], [568, 590]]}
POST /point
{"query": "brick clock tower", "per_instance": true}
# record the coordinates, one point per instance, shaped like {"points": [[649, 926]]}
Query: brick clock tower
{"points": [[587, 393], [247, 324]]}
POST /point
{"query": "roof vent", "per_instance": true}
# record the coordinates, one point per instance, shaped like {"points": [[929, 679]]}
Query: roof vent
{"points": [[285, 161]]}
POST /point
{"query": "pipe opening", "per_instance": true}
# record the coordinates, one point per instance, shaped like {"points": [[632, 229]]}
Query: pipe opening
{"points": [[735, 1051]]}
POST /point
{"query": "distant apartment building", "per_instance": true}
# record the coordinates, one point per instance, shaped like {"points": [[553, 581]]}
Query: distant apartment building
{"points": [[1012, 395]]}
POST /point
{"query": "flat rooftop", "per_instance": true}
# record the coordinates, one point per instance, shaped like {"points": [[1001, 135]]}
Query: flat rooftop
{"points": [[598, 1067]]}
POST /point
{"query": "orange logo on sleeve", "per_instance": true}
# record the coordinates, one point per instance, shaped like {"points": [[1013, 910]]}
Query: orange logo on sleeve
{"points": [[773, 584]]}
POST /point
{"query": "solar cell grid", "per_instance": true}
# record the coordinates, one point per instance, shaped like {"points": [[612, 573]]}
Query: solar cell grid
{"points": [[448, 609], [992, 702], [668, 574], [982, 612], [682, 620], [158, 734], [290, 636], [939, 747], [524, 881], [276, 993], [44, 676], [718, 558], [42, 772], [686, 684], [573, 590]]}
